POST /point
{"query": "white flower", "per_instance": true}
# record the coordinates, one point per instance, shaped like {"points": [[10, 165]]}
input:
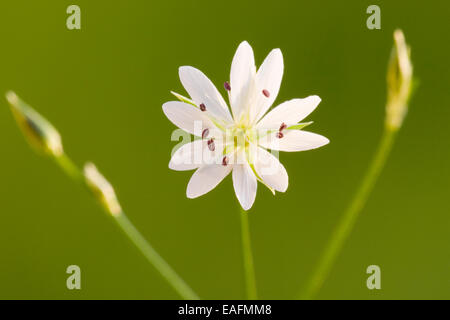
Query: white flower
{"points": [[237, 142]]}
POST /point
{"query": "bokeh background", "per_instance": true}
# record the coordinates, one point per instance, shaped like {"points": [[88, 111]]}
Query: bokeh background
{"points": [[103, 87]]}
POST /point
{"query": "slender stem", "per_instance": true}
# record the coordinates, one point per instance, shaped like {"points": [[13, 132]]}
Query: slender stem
{"points": [[345, 225], [250, 279], [69, 168], [135, 236], [154, 258]]}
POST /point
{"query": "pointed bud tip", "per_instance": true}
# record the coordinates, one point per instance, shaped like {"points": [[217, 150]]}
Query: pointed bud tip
{"points": [[398, 35], [38, 131], [399, 81], [12, 97]]}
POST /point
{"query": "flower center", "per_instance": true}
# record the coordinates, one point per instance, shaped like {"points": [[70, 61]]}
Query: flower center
{"points": [[239, 138]]}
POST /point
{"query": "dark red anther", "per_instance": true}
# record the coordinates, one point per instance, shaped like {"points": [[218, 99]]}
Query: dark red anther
{"points": [[205, 133], [225, 161], [202, 107], [283, 126], [280, 135], [266, 93], [211, 145], [227, 86]]}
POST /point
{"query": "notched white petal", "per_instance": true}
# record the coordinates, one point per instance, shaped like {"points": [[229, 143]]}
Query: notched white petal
{"points": [[293, 140], [195, 154], [203, 91], [205, 179], [187, 157], [289, 112], [188, 117], [245, 185], [267, 84], [242, 75], [271, 171]]}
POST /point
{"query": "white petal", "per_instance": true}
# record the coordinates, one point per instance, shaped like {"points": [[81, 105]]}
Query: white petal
{"points": [[271, 170], [242, 75], [293, 140], [289, 112], [205, 179], [267, 78], [188, 118], [195, 154], [202, 90], [245, 184]]}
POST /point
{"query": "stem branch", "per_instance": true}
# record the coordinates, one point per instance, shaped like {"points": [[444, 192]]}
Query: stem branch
{"points": [[154, 258], [135, 236], [345, 225]]}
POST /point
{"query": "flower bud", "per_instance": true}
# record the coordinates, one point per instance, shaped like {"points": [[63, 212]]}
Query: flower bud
{"points": [[39, 133], [399, 82], [102, 189]]}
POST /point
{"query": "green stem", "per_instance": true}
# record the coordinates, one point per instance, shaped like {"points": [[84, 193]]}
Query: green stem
{"points": [[152, 256], [69, 168], [345, 225], [250, 279]]}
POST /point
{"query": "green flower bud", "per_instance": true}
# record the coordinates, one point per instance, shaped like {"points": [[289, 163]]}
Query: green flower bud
{"points": [[40, 133], [399, 82], [102, 189]]}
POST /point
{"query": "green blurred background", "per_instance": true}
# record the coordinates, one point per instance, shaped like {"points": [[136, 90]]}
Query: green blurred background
{"points": [[103, 87]]}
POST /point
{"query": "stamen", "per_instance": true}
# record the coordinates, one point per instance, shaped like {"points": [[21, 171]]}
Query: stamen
{"points": [[266, 93], [202, 107], [225, 161], [205, 133], [227, 86], [211, 145], [280, 135], [283, 126]]}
